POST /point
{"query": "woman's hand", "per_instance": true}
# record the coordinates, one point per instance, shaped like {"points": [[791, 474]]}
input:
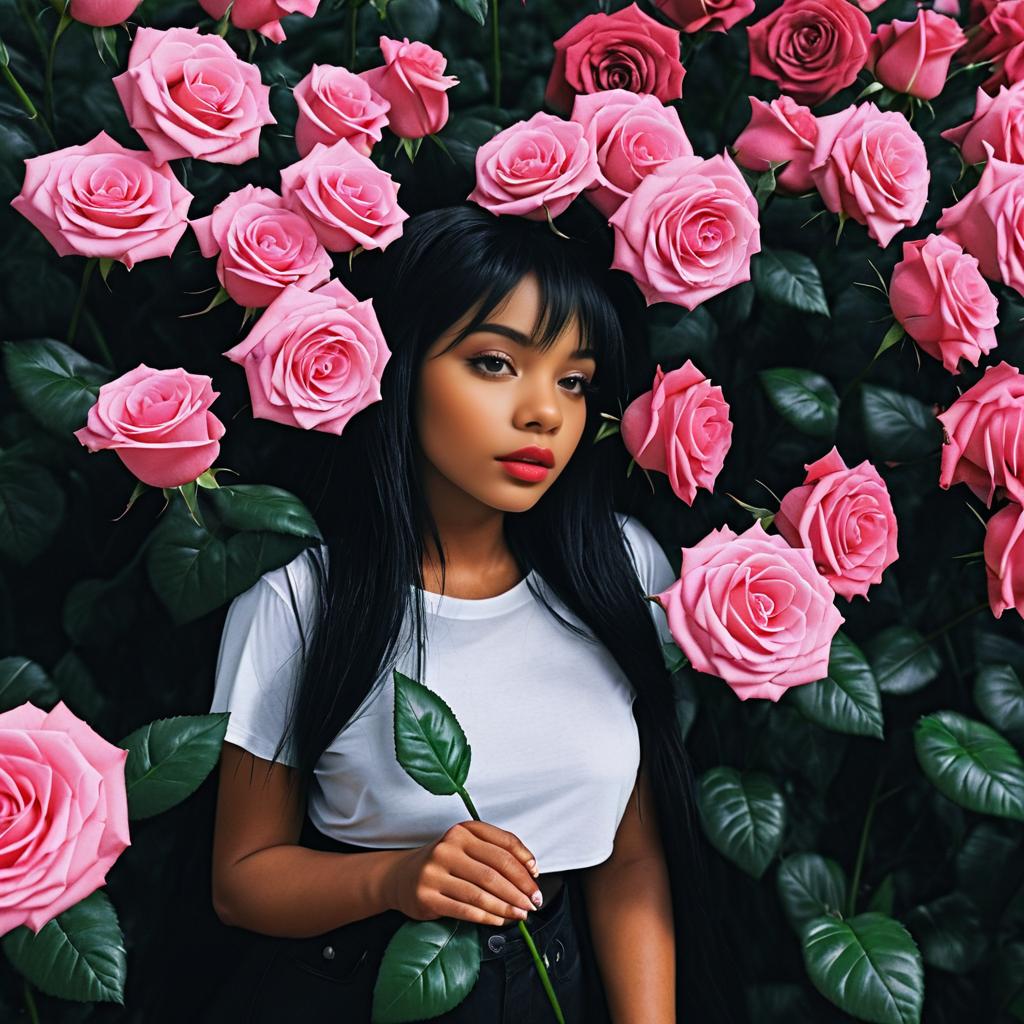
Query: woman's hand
{"points": [[475, 872]]}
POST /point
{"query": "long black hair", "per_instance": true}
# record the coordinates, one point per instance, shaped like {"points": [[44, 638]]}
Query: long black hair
{"points": [[447, 263]]}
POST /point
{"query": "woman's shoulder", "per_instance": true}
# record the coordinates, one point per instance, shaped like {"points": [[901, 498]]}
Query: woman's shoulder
{"points": [[649, 558], [297, 582]]}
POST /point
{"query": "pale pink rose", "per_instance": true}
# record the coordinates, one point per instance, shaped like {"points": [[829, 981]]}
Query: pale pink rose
{"points": [[314, 359], [688, 231], [102, 13], [680, 427], [1004, 560], [413, 81], [345, 196], [64, 813], [939, 296], [871, 166], [103, 200], [1000, 31], [632, 135], [261, 246], [188, 94], [811, 48], [913, 57], [752, 610], [984, 442], [336, 104], [780, 130], [262, 15], [989, 222], [623, 50], [712, 15], [845, 517], [158, 422], [542, 163], [999, 121]]}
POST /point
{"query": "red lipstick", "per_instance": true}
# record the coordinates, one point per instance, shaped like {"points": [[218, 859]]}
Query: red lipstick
{"points": [[530, 463]]}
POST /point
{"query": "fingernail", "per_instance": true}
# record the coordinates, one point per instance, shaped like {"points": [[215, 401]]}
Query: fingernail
{"points": [[531, 863], [520, 913], [538, 899]]}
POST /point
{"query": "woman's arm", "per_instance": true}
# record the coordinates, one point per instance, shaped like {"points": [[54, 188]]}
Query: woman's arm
{"points": [[629, 908]]}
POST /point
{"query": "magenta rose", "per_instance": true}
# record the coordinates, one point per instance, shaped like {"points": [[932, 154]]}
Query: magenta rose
{"points": [[103, 200], [913, 56], [102, 13], [413, 81], [845, 517], [989, 222], [680, 427], [939, 296], [871, 166], [261, 246], [984, 436], [1004, 560], [336, 104], [158, 422], [624, 50], [188, 94], [999, 121], [777, 131], [65, 813], [532, 166], [688, 231], [314, 359], [632, 135], [262, 15], [752, 610], [811, 48], [709, 15], [345, 196]]}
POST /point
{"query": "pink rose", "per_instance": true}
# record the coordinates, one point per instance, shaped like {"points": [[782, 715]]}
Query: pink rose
{"points": [[262, 15], [712, 15], [939, 296], [989, 222], [263, 246], [680, 427], [752, 610], [103, 200], [780, 130], [913, 56], [336, 104], [688, 231], [632, 135], [188, 94], [413, 81], [869, 5], [845, 517], [811, 48], [997, 120], [1000, 31], [1004, 560], [102, 13], [624, 50], [346, 197], [65, 813], [542, 163], [314, 359], [984, 444], [159, 423], [871, 165]]}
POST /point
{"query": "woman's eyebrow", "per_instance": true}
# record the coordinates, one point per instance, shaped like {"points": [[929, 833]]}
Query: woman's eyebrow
{"points": [[525, 340]]}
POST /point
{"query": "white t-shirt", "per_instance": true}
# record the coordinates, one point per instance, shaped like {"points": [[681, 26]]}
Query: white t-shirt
{"points": [[548, 716]]}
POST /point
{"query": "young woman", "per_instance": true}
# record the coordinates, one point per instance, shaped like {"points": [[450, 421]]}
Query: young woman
{"points": [[473, 545]]}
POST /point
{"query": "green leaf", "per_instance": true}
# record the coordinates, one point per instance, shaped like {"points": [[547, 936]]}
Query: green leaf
{"points": [[77, 955], [789, 279], [971, 764], [692, 336], [867, 965], [428, 968], [31, 509], [168, 760], [810, 885], [893, 335], [902, 660], [22, 680], [804, 399], [673, 657], [429, 742], [261, 507], [949, 932], [476, 9], [78, 689], [985, 863], [1000, 698], [847, 699], [743, 815], [883, 896], [898, 427]]}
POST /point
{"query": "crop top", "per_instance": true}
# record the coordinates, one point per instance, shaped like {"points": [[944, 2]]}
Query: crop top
{"points": [[548, 715]]}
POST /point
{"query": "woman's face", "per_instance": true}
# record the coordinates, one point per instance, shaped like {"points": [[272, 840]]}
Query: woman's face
{"points": [[491, 395]]}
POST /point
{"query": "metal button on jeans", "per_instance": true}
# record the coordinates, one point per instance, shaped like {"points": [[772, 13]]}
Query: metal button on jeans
{"points": [[496, 943], [328, 952]]}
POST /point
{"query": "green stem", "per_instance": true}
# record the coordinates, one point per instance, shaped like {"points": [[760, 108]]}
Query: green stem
{"points": [[496, 52], [26, 101], [65, 20], [955, 622], [30, 1003], [851, 901], [90, 266]]}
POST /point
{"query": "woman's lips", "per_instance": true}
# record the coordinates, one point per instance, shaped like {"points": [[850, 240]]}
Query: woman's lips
{"points": [[529, 471]]}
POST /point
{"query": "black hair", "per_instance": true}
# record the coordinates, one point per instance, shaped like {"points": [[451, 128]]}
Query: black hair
{"points": [[446, 263]]}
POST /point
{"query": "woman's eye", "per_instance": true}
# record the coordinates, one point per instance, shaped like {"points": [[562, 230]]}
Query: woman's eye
{"points": [[582, 385], [488, 359]]}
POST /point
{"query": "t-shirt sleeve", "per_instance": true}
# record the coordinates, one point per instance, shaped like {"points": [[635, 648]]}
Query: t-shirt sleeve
{"points": [[652, 567]]}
